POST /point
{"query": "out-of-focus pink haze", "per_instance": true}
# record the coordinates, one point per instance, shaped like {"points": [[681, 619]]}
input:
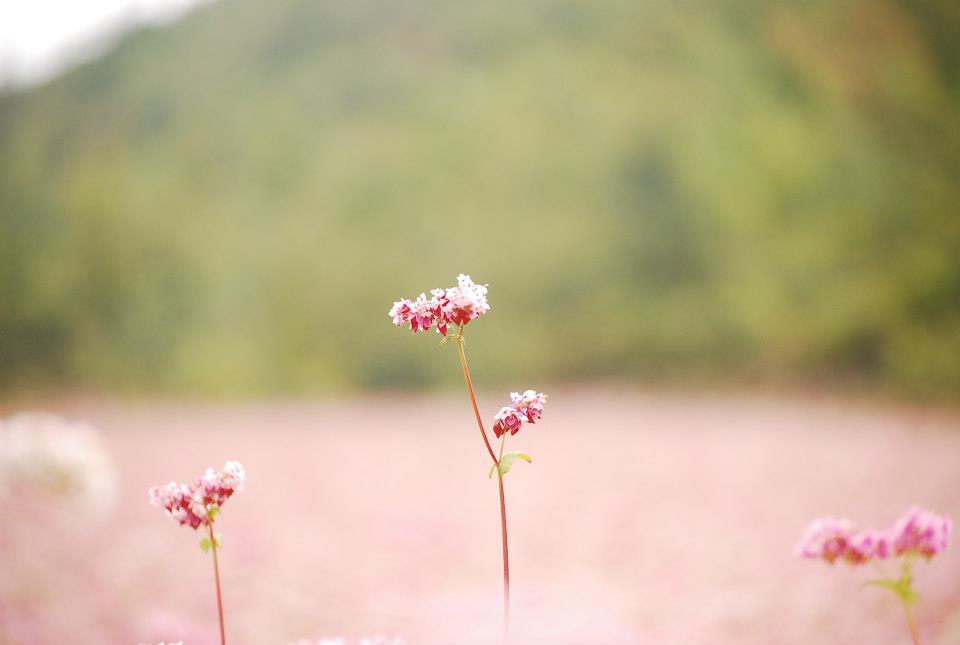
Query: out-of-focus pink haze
{"points": [[664, 519]]}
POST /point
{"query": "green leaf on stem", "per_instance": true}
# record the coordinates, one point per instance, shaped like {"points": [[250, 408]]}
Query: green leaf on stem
{"points": [[901, 587], [218, 540], [212, 511], [506, 462], [205, 544]]}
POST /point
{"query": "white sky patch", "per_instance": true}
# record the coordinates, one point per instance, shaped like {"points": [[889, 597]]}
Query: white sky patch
{"points": [[38, 38]]}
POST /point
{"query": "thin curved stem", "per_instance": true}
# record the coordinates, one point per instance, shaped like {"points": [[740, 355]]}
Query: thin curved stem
{"points": [[216, 577], [473, 397], [911, 622], [503, 503]]}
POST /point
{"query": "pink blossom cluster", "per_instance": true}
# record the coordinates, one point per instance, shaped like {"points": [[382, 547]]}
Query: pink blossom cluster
{"points": [[190, 505], [918, 532], [456, 305], [523, 407], [921, 532]]}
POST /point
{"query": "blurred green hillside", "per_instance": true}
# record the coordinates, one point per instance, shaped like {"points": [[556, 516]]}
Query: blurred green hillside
{"points": [[663, 190]]}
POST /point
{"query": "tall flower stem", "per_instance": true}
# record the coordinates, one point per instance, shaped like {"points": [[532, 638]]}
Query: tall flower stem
{"points": [[216, 577], [911, 621], [904, 591], [506, 559], [503, 504]]}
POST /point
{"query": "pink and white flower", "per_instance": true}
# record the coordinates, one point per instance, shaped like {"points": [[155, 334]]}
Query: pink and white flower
{"points": [[530, 404], [177, 500], [191, 505], [465, 302], [402, 312], [526, 407], [507, 420], [453, 306]]}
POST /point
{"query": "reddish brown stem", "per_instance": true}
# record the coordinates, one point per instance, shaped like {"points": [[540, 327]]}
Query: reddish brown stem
{"points": [[473, 399], [506, 560], [503, 504], [216, 577]]}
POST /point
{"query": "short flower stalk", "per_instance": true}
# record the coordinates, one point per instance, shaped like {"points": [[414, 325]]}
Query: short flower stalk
{"points": [[198, 505], [919, 534], [456, 307]]}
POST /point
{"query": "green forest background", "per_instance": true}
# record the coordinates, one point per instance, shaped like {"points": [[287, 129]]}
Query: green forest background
{"points": [[656, 191]]}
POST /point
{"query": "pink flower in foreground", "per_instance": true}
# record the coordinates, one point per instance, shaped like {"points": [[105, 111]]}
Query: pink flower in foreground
{"points": [[921, 532], [190, 505], [402, 312], [453, 306], [530, 404], [465, 302], [420, 313], [867, 545], [507, 420], [177, 500], [826, 538], [216, 487], [524, 407]]}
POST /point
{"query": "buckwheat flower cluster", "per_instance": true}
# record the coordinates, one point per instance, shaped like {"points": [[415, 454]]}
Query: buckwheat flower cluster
{"points": [[523, 407], [921, 533], [42, 453], [191, 505], [452, 306], [826, 538], [917, 533]]}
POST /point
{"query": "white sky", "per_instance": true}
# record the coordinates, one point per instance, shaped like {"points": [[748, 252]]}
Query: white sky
{"points": [[39, 37]]}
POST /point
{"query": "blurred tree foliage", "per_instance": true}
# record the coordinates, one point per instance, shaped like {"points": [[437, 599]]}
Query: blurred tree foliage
{"points": [[654, 190]]}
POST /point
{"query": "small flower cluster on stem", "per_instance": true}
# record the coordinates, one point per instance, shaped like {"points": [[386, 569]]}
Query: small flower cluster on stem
{"points": [[523, 407], [198, 504], [917, 534], [452, 306], [191, 505]]}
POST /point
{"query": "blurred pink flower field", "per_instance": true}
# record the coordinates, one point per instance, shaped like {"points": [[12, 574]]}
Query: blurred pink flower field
{"points": [[645, 518]]}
